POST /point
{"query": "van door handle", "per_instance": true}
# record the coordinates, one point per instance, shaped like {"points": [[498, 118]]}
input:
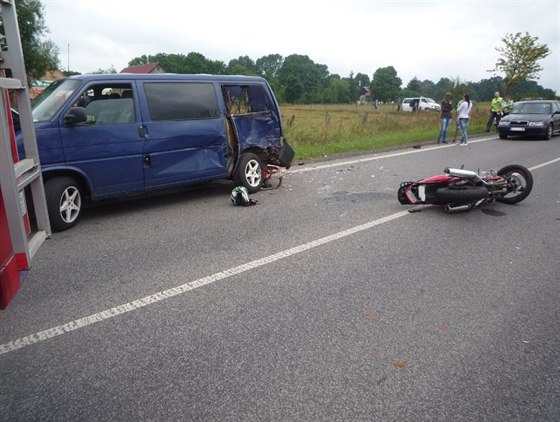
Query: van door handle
{"points": [[147, 160], [142, 131]]}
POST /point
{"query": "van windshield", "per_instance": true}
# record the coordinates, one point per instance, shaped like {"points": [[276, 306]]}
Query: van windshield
{"points": [[48, 103]]}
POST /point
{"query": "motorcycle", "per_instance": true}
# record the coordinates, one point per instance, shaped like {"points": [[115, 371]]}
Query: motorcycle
{"points": [[462, 190]]}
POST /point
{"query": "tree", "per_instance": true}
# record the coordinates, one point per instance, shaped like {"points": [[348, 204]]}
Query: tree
{"points": [[39, 56], [108, 71], [243, 65], [311, 76], [179, 63], [385, 84], [519, 57], [415, 85], [268, 66], [338, 90]]}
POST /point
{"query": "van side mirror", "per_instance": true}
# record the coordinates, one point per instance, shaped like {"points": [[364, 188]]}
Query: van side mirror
{"points": [[74, 116]]}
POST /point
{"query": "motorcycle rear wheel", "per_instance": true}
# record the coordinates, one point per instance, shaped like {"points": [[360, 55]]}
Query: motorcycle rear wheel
{"points": [[519, 180], [467, 194]]}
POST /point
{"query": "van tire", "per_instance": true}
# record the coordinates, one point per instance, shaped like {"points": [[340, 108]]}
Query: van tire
{"points": [[64, 202], [249, 172]]}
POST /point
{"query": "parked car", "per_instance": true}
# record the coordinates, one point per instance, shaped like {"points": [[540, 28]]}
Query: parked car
{"points": [[536, 118], [102, 136], [419, 104]]}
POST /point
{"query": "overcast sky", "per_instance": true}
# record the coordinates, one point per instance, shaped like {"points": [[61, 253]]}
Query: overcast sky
{"points": [[426, 39]]}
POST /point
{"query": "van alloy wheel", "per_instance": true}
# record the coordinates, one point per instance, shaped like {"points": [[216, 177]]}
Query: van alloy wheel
{"points": [[249, 172], [64, 202]]}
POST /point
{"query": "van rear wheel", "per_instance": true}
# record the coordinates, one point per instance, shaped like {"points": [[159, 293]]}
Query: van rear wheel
{"points": [[249, 172], [64, 202]]}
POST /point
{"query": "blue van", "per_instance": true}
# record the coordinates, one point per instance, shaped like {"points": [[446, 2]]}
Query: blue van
{"points": [[102, 136]]}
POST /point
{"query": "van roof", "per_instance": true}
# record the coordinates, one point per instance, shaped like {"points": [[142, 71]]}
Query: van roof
{"points": [[167, 76]]}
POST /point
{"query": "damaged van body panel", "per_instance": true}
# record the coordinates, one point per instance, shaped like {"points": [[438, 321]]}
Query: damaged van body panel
{"points": [[119, 134], [254, 116]]}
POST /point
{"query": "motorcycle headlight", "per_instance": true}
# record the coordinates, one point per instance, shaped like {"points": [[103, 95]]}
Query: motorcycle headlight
{"points": [[536, 124]]}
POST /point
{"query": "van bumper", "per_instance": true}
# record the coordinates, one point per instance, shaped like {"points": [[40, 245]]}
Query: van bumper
{"points": [[287, 155]]}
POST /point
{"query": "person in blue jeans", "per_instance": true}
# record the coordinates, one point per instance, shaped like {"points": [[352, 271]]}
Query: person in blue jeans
{"points": [[463, 114], [446, 116]]}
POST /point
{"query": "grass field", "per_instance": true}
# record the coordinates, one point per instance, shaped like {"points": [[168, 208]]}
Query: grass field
{"points": [[325, 130]]}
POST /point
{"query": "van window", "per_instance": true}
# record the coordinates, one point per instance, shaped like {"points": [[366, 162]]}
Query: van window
{"points": [[181, 101], [48, 102], [243, 99], [107, 104]]}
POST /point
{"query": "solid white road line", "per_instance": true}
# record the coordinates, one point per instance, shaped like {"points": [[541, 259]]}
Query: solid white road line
{"points": [[380, 157], [538, 166], [184, 288]]}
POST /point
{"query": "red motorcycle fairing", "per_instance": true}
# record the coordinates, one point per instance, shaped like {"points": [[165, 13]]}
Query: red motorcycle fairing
{"points": [[421, 192], [442, 178]]}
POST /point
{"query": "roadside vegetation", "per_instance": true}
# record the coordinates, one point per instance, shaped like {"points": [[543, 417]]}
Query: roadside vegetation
{"points": [[316, 131]]}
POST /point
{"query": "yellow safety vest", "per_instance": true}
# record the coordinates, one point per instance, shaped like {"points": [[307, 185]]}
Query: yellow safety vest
{"points": [[508, 105], [496, 104]]}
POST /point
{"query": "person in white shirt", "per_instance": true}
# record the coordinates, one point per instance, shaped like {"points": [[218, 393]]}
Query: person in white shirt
{"points": [[463, 113]]}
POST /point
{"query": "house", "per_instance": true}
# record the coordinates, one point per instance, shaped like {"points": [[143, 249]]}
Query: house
{"points": [[365, 95], [144, 68], [38, 86]]}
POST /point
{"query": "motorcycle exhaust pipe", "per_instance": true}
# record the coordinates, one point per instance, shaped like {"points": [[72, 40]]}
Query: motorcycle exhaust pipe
{"points": [[457, 208]]}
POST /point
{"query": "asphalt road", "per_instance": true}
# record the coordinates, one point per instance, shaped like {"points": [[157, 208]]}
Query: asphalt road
{"points": [[326, 301]]}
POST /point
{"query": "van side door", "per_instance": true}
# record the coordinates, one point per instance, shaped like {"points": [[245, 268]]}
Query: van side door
{"points": [[185, 133], [254, 116], [108, 147]]}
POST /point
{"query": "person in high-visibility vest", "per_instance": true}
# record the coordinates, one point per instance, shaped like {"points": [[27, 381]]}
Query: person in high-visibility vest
{"points": [[495, 111], [507, 105]]}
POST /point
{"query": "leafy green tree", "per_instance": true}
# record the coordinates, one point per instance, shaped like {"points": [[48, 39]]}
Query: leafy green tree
{"points": [[362, 79], [312, 77], [519, 57], [428, 88], [338, 90], [293, 88], [442, 86], [407, 93], [179, 63], [414, 85], [243, 65], [139, 61], [531, 89], [486, 87], [104, 71], [356, 84], [385, 84], [40, 56], [268, 66]]}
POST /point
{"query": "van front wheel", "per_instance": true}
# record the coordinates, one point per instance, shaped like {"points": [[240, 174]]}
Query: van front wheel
{"points": [[249, 172], [64, 202]]}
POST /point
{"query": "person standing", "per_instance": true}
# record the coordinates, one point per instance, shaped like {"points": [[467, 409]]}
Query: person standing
{"points": [[446, 116], [507, 105], [463, 114], [495, 111]]}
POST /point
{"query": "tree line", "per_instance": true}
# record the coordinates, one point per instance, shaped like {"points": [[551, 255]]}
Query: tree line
{"points": [[298, 79]]}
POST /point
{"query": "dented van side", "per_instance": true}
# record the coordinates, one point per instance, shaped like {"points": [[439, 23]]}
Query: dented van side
{"points": [[104, 136]]}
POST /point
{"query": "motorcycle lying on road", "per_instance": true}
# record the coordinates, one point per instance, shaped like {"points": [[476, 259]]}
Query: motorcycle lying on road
{"points": [[462, 190]]}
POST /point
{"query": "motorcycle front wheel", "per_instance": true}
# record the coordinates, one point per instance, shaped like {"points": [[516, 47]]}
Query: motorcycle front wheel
{"points": [[519, 183]]}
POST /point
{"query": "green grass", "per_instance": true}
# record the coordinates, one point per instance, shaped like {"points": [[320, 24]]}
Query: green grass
{"points": [[316, 131]]}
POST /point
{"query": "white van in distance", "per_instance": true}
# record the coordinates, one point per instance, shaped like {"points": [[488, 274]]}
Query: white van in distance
{"points": [[419, 104]]}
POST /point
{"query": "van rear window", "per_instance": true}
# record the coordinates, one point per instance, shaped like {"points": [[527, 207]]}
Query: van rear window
{"points": [[181, 100]]}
